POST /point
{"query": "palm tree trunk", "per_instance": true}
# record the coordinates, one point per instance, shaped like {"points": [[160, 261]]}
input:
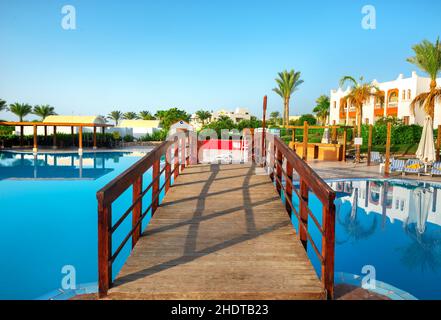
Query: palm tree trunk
{"points": [[359, 120], [287, 111]]}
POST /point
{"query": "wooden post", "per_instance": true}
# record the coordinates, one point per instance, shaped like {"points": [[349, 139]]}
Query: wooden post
{"points": [[305, 141], [188, 150], [334, 133], [155, 186], [176, 159], [73, 135], [263, 152], [387, 164], [345, 138], [80, 139], [438, 143], [304, 194], [54, 136], [279, 163], [168, 159], [272, 159], [328, 246], [94, 138], [136, 213], [182, 154], [35, 148], [104, 247], [369, 145], [253, 158], [21, 135], [288, 186]]}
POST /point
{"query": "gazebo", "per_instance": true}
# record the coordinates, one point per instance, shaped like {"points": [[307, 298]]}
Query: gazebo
{"points": [[53, 122]]}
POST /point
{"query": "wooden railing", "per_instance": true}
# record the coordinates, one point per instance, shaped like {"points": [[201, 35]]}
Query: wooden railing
{"points": [[179, 156], [283, 163]]}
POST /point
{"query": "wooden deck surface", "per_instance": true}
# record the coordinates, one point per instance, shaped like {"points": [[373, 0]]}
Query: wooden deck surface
{"points": [[221, 232]]}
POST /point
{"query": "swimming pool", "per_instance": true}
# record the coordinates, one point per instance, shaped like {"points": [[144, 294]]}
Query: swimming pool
{"points": [[48, 212], [391, 226]]}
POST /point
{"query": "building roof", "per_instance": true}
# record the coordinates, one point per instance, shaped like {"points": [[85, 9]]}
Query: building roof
{"points": [[139, 124], [74, 119]]}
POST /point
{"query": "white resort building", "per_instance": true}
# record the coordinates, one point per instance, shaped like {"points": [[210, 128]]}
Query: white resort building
{"points": [[237, 116], [28, 130], [396, 96], [137, 128]]}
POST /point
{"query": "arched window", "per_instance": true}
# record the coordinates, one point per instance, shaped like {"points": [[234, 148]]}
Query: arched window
{"points": [[404, 95], [393, 98], [409, 94]]}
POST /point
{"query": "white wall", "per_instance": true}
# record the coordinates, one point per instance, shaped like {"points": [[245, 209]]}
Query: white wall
{"points": [[415, 83]]}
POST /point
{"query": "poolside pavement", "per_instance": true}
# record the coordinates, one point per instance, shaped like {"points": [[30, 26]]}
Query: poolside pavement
{"points": [[343, 170]]}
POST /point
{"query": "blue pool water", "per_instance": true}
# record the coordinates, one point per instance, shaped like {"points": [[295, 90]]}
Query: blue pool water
{"points": [[394, 226], [48, 212]]}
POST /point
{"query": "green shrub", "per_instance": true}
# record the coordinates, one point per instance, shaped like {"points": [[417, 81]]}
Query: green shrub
{"points": [[128, 138], [160, 135]]}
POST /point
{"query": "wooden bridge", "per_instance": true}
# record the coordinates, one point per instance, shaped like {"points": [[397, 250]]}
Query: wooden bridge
{"points": [[221, 231]]}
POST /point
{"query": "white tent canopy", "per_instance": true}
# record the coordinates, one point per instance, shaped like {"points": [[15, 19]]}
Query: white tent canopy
{"points": [[426, 148]]}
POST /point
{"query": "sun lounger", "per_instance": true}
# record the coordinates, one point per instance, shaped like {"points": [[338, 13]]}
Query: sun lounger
{"points": [[436, 169], [397, 165], [414, 166], [376, 157]]}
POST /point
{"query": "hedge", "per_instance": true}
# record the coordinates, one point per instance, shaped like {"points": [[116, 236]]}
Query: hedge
{"points": [[401, 134], [63, 140]]}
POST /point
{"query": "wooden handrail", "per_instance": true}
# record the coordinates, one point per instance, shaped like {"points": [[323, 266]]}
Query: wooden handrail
{"points": [[133, 176], [309, 180]]}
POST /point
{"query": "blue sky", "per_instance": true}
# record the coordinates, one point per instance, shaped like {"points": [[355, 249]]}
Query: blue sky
{"points": [[147, 55]]}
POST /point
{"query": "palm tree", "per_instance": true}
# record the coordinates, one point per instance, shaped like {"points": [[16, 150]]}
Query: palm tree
{"points": [[428, 59], [274, 117], [203, 116], [115, 116], [43, 112], [322, 108], [130, 116], [287, 83], [20, 109], [359, 94], [146, 115], [3, 105]]}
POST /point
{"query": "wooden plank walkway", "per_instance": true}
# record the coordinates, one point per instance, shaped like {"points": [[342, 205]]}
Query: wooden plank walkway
{"points": [[221, 232]]}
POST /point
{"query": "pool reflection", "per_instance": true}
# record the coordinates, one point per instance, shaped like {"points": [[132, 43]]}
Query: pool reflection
{"points": [[89, 166], [364, 205]]}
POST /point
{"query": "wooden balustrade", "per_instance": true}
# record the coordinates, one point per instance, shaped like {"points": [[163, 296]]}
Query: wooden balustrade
{"points": [[309, 181], [133, 176]]}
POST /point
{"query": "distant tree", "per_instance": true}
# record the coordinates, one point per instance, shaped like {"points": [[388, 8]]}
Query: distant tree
{"points": [[287, 83], [252, 123], [308, 118], [115, 116], [3, 105], [274, 118], [321, 110], [20, 109], [222, 123], [146, 115], [169, 117], [203, 116], [130, 116], [43, 112]]}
